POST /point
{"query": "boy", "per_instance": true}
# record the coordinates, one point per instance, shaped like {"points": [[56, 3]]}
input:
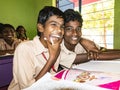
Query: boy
{"points": [[8, 42], [33, 59], [76, 48]]}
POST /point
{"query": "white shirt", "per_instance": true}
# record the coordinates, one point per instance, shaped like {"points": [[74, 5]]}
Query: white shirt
{"points": [[28, 62]]}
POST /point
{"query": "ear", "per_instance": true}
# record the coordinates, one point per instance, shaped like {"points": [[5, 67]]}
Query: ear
{"points": [[40, 27]]}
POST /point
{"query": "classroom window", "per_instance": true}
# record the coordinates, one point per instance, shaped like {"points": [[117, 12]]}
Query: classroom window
{"points": [[69, 4], [98, 25]]}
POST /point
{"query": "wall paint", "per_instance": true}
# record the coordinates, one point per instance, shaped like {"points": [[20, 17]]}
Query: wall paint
{"points": [[117, 25], [22, 12]]}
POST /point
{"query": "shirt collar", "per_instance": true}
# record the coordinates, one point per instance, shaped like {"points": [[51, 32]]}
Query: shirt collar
{"points": [[39, 48], [65, 49]]}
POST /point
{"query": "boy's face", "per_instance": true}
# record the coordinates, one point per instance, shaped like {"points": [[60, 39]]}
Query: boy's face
{"points": [[54, 23], [72, 32], [8, 33], [21, 30]]}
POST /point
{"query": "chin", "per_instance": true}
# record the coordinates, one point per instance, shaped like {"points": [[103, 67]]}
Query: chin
{"points": [[74, 43]]}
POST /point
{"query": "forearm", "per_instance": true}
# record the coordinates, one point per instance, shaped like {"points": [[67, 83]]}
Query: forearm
{"points": [[81, 58], [88, 45], [108, 55], [3, 52], [45, 69]]}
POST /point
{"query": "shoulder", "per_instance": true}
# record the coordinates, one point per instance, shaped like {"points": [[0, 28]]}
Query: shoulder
{"points": [[26, 44], [79, 49], [2, 41], [29, 44]]}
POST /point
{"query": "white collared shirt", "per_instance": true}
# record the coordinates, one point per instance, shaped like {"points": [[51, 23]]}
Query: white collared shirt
{"points": [[28, 62]]}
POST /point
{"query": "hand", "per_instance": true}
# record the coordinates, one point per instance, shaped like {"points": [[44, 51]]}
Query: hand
{"points": [[54, 50], [93, 55]]}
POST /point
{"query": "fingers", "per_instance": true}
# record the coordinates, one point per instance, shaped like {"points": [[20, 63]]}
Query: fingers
{"points": [[93, 55]]}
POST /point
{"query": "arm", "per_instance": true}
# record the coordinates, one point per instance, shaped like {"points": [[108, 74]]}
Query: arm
{"points": [[24, 65], [85, 57], [54, 51], [108, 55], [3, 52], [104, 55], [81, 58], [89, 45]]}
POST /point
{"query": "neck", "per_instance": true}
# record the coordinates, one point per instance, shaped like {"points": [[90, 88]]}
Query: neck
{"points": [[69, 46], [43, 42]]}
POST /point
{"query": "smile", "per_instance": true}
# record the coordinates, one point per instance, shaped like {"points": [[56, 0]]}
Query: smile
{"points": [[74, 38]]}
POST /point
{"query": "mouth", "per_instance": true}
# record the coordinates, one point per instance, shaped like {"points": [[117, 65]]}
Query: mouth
{"points": [[54, 38], [9, 36], [74, 38]]}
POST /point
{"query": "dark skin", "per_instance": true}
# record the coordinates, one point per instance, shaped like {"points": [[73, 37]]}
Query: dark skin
{"points": [[21, 33], [72, 37], [8, 35], [3, 52]]}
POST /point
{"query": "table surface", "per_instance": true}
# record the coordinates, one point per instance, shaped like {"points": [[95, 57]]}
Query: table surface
{"points": [[104, 66]]}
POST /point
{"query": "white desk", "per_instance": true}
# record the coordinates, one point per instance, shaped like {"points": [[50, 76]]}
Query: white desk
{"points": [[105, 66]]}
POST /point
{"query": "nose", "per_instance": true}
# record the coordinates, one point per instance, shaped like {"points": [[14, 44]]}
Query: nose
{"points": [[59, 29], [10, 33], [74, 32]]}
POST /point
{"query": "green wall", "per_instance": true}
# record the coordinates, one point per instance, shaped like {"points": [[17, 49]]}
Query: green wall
{"points": [[22, 12], [117, 24]]}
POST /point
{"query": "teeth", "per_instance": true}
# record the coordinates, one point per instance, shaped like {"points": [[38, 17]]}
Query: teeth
{"points": [[9, 36], [57, 36], [74, 38]]}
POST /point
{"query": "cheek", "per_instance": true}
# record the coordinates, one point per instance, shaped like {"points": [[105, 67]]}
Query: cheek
{"points": [[79, 34], [46, 32], [67, 35], [63, 32]]}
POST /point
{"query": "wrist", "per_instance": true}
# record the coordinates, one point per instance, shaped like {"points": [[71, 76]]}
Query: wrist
{"points": [[89, 56]]}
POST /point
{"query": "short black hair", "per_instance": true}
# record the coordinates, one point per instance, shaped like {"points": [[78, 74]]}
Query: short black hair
{"points": [[7, 26], [47, 12], [72, 15]]}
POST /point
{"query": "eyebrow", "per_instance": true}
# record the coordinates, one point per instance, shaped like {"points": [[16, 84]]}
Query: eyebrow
{"points": [[72, 26], [55, 22]]}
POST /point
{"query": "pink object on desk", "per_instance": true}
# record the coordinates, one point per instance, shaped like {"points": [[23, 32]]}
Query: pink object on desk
{"points": [[112, 85], [59, 74]]}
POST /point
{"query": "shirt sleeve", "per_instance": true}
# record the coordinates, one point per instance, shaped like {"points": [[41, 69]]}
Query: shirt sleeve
{"points": [[23, 67]]}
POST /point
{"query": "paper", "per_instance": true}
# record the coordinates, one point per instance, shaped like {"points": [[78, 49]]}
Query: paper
{"points": [[102, 79], [48, 83]]}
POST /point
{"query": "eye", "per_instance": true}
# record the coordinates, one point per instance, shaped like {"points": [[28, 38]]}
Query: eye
{"points": [[68, 28], [78, 29], [53, 24]]}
